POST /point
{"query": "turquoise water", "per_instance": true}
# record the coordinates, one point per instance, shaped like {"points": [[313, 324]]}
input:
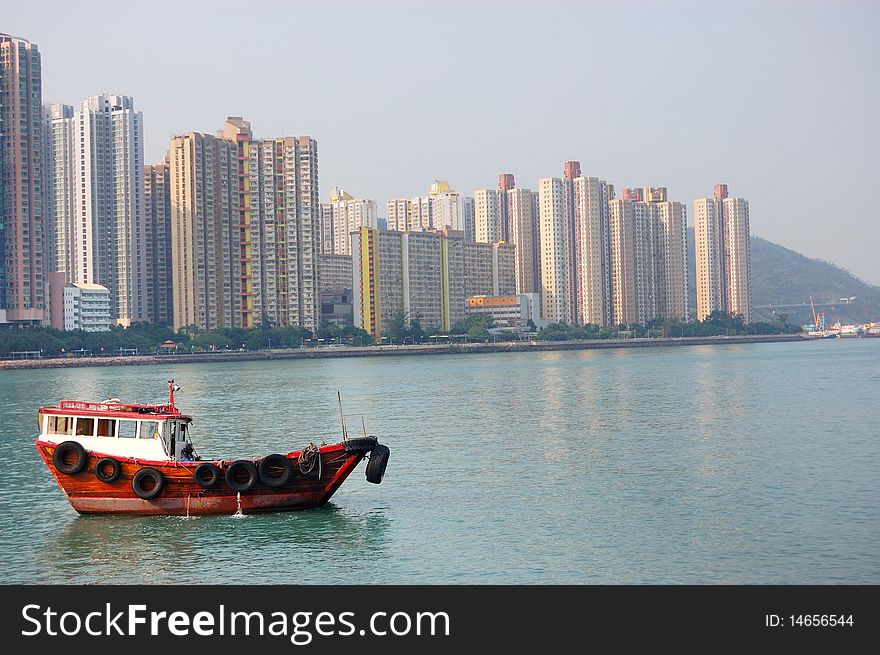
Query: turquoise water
{"points": [[728, 464]]}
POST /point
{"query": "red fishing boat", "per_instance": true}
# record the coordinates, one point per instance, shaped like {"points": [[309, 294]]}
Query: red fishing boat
{"points": [[121, 458]]}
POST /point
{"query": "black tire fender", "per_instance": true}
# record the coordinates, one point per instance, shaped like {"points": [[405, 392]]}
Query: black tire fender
{"points": [[272, 462], [206, 475], [359, 444], [148, 473], [115, 470], [66, 448], [377, 464], [235, 469]]}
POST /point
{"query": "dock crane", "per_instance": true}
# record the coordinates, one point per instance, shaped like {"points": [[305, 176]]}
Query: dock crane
{"points": [[818, 321]]}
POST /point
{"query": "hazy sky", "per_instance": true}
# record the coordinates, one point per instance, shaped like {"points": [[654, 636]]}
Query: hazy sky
{"points": [[780, 100]]}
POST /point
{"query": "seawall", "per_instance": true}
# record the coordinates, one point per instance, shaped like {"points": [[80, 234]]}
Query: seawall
{"points": [[389, 350]]}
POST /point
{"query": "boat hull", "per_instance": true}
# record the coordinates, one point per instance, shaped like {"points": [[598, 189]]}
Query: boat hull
{"points": [[183, 496]]}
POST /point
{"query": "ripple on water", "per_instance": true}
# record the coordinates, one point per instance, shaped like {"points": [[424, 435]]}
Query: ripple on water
{"points": [[666, 465]]}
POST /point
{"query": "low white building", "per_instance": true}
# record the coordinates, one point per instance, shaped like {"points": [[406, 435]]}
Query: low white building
{"points": [[508, 311], [87, 307]]}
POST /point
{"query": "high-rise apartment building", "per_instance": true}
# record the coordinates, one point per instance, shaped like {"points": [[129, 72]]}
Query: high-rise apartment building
{"points": [[109, 203], [623, 261], [556, 252], [238, 131], [646, 259], [417, 275], [335, 273], [525, 235], [634, 262], [489, 205], [284, 248], [327, 228], [503, 268], [722, 252], [442, 209], [708, 255], [737, 257], [506, 183], [259, 235], [422, 215], [409, 214], [592, 251], [205, 235], [23, 225], [446, 207], [59, 172], [398, 213], [672, 264], [423, 274], [95, 196], [606, 260], [477, 269], [571, 170], [265, 242], [469, 212], [367, 280], [343, 215], [489, 269], [157, 200]]}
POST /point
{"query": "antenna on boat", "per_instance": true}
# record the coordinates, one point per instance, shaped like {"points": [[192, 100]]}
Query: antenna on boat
{"points": [[364, 425], [341, 416], [171, 389]]}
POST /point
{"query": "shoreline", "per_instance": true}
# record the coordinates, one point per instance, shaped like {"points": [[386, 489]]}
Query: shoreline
{"points": [[389, 351]]}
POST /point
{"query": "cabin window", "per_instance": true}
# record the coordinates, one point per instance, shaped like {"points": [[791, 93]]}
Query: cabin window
{"points": [[85, 427], [172, 431], [128, 429], [149, 429], [60, 425], [106, 427]]}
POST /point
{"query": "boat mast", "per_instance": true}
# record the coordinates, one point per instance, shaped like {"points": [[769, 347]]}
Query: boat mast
{"points": [[341, 416]]}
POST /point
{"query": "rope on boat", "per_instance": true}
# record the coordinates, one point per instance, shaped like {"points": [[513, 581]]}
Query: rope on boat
{"points": [[309, 458]]}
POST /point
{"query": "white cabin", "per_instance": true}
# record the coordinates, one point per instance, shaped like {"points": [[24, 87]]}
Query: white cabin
{"points": [[136, 431]]}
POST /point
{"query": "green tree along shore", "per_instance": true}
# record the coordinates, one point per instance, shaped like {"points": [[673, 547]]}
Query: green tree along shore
{"points": [[716, 324], [145, 338], [476, 327]]}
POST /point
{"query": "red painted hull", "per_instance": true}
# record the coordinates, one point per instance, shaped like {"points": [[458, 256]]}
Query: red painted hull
{"points": [[183, 496]]}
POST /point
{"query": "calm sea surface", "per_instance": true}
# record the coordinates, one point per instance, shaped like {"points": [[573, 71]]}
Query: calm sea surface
{"points": [[741, 463]]}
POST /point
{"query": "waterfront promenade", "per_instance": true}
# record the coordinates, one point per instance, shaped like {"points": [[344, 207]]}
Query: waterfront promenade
{"points": [[387, 350]]}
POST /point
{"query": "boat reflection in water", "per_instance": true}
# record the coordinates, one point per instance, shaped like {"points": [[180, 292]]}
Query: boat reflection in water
{"points": [[167, 550]]}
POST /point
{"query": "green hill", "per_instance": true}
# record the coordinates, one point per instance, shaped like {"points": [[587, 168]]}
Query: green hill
{"points": [[781, 276]]}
